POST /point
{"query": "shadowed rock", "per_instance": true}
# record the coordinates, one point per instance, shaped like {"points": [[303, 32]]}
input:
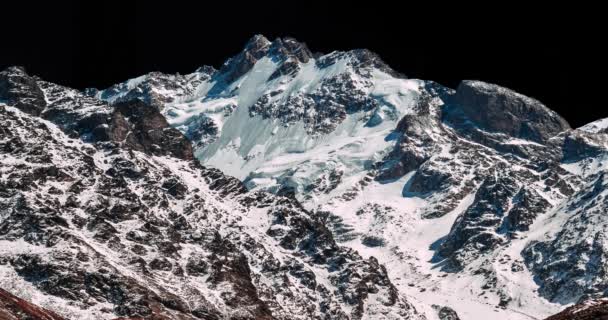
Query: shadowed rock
{"points": [[589, 310], [141, 127], [21, 90], [499, 109]]}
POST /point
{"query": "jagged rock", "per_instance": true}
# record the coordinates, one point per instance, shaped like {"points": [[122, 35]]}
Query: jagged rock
{"points": [[202, 131], [579, 145], [427, 180], [498, 109], [372, 241], [320, 111], [446, 313], [571, 262], [19, 89], [255, 49], [473, 232], [146, 130], [588, 310], [527, 205], [153, 88]]}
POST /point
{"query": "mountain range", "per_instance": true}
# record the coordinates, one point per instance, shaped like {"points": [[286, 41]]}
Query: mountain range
{"points": [[289, 184]]}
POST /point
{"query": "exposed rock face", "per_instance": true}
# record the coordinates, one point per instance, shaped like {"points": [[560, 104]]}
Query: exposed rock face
{"points": [[110, 229], [323, 109], [287, 52], [155, 88], [201, 131], [362, 60], [589, 310], [255, 49], [498, 109], [142, 128], [474, 232], [21, 90], [580, 145], [417, 135], [133, 124], [571, 264]]}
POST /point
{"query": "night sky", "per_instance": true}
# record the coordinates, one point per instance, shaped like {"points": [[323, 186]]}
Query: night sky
{"points": [[551, 57]]}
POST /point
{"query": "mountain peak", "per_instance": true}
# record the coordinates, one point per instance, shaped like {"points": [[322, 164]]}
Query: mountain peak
{"points": [[257, 40], [17, 70], [290, 47], [256, 46], [21, 90], [282, 50]]}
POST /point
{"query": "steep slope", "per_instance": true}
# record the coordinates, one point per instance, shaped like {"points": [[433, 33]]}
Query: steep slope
{"points": [[449, 207], [441, 185], [273, 114], [589, 310], [570, 257], [119, 221], [479, 201]]}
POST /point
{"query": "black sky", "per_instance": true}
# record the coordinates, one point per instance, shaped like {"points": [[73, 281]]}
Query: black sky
{"points": [[547, 55]]}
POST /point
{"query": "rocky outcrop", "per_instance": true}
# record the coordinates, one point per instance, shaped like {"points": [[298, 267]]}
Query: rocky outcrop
{"points": [[137, 126], [446, 313], [474, 232], [571, 262], [417, 138], [155, 88], [21, 90], [588, 310], [322, 110], [498, 109], [133, 124], [201, 131], [287, 52], [579, 145]]}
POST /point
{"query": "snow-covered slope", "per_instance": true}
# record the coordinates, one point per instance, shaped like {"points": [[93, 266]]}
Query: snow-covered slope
{"points": [[279, 118], [439, 184], [93, 226], [479, 201]]}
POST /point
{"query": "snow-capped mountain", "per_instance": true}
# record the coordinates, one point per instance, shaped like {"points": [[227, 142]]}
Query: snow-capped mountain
{"points": [[114, 218], [364, 194]]}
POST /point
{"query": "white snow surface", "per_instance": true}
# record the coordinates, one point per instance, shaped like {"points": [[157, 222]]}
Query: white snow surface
{"points": [[595, 126]]}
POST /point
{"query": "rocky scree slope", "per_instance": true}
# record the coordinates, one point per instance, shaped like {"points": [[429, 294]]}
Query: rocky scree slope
{"points": [[104, 213]]}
